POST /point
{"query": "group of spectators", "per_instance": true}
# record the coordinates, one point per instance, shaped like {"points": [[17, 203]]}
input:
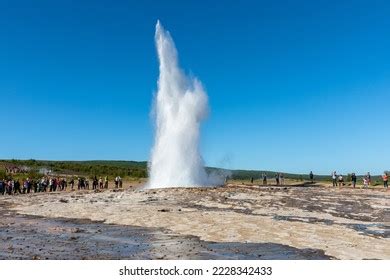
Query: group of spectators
{"points": [[52, 184], [338, 180], [279, 179]]}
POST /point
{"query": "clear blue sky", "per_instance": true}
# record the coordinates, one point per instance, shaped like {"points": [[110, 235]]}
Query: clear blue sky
{"points": [[293, 85]]}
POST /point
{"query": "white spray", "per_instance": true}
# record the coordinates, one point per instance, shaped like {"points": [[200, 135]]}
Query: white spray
{"points": [[180, 107]]}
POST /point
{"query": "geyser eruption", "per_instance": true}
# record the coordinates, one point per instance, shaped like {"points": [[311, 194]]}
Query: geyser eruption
{"points": [[180, 107]]}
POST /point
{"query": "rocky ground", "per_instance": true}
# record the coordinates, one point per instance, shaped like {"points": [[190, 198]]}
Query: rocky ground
{"points": [[230, 222]]}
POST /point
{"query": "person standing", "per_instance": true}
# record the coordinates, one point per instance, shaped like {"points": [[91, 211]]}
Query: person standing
{"points": [[365, 182], [2, 187], [106, 182], [311, 176], [79, 183], [71, 182], [369, 178], [51, 185], [264, 175], [17, 187], [34, 183], [353, 180], [29, 185], [43, 184], [341, 180], [55, 184], [116, 181], [9, 187], [100, 183], [64, 184], [95, 183], [24, 186], [281, 178], [385, 178], [277, 179], [334, 179]]}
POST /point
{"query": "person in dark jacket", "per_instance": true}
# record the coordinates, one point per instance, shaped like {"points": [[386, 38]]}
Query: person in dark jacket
{"points": [[2, 187], [353, 180], [311, 175], [17, 186]]}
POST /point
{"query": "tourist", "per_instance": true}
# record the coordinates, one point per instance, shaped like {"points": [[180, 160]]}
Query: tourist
{"points": [[311, 176], [35, 185], [2, 187], [25, 186], [281, 178], [116, 181], [51, 185], [44, 184], [251, 180], [29, 185], [365, 182], [264, 175], [341, 180], [100, 183], [334, 179], [120, 182], [71, 183], [369, 178], [17, 187], [385, 178], [55, 184], [277, 178], [106, 182], [78, 183], [353, 180], [64, 184], [9, 187], [95, 183]]}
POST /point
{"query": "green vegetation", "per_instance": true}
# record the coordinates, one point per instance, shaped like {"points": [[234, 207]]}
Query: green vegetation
{"points": [[2, 174], [83, 168], [138, 169]]}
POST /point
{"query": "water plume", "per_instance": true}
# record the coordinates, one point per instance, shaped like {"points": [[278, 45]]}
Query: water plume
{"points": [[181, 104]]}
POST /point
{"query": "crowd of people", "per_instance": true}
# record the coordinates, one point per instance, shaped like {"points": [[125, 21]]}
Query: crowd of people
{"points": [[338, 180], [279, 178], [52, 184]]}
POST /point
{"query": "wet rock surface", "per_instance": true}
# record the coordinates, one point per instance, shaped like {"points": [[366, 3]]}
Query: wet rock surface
{"points": [[35, 238], [234, 221]]}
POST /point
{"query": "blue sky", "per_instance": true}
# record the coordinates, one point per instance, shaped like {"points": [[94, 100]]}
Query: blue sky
{"points": [[293, 85]]}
